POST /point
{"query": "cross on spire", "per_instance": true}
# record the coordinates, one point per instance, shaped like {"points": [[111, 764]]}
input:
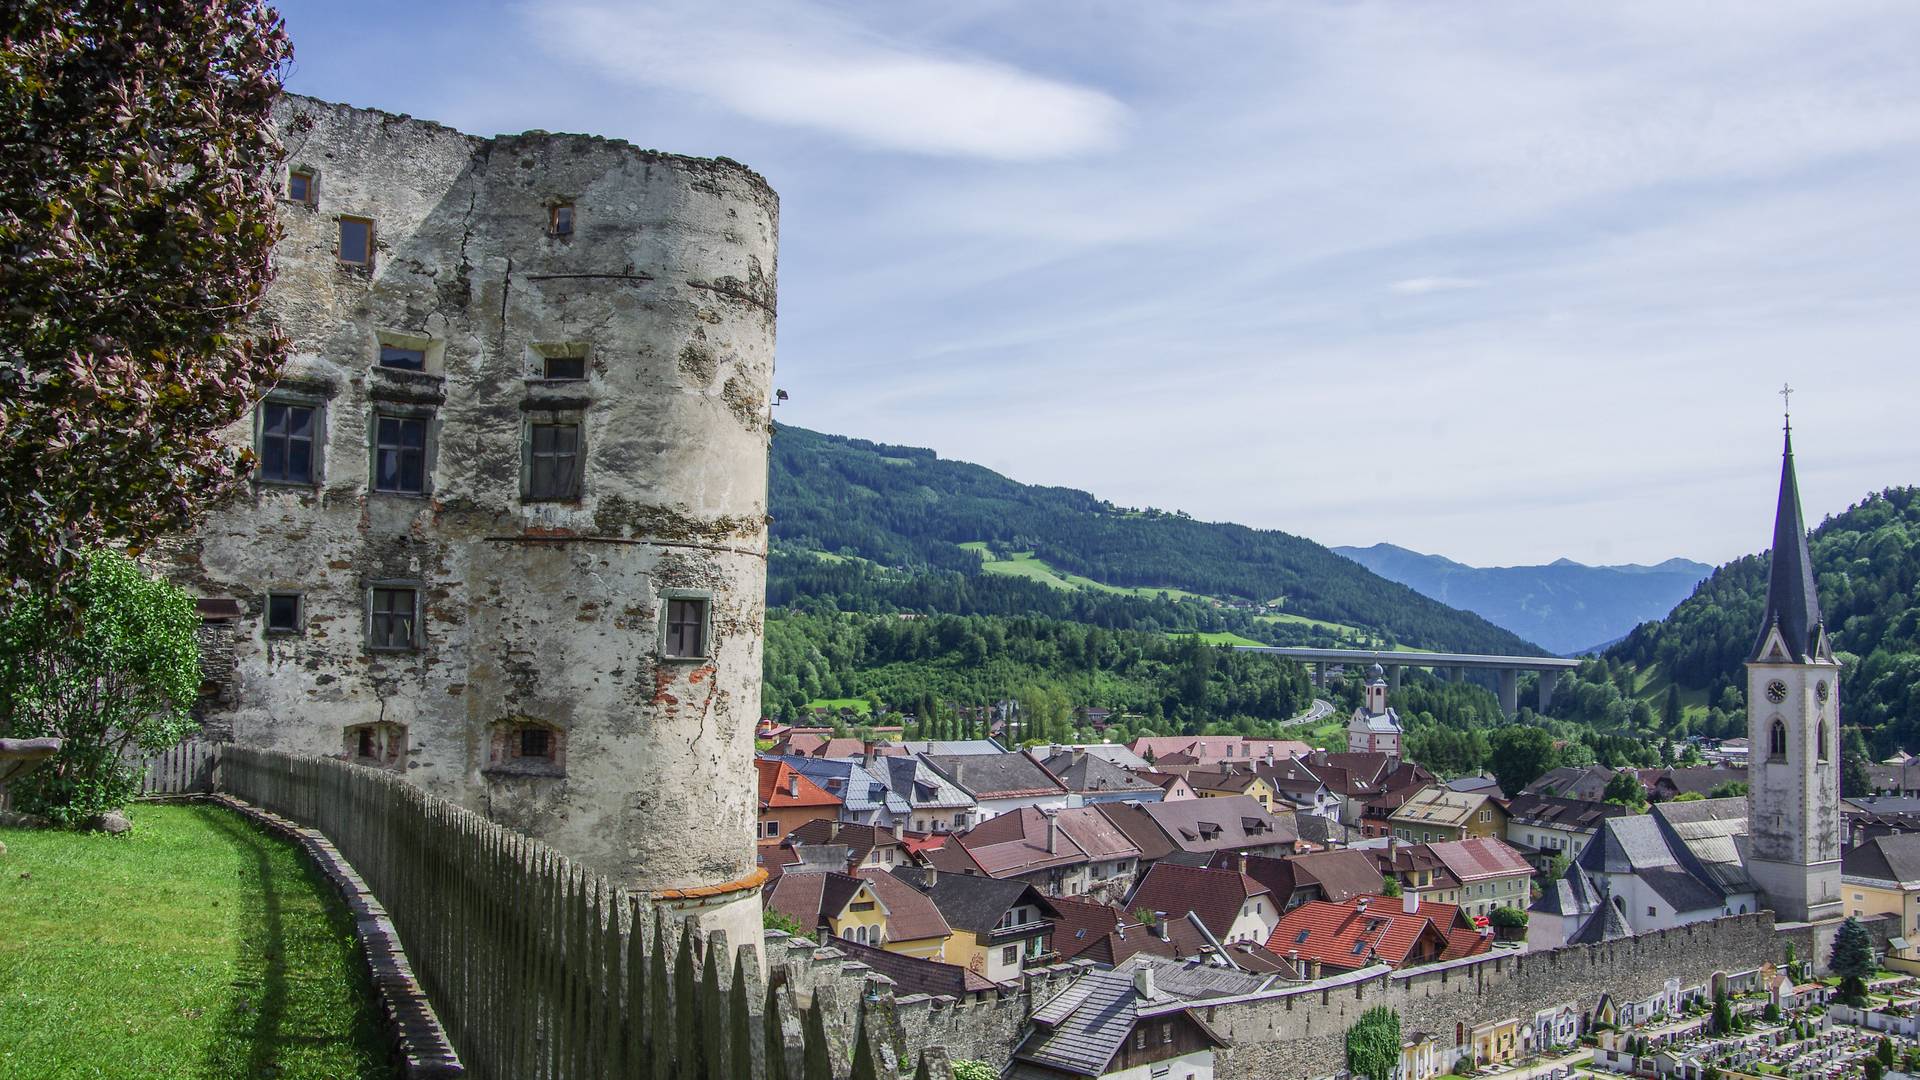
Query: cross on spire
{"points": [[1786, 396]]}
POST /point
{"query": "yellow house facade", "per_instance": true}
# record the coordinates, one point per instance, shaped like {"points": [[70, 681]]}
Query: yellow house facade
{"points": [[1882, 877], [1220, 786]]}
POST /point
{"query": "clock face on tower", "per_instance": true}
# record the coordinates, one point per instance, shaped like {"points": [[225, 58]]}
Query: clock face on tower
{"points": [[1776, 691], [1820, 691]]}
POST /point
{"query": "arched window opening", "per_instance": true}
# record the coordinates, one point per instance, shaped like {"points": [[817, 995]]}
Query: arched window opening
{"points": [[1777, 741], [1820, 748]]}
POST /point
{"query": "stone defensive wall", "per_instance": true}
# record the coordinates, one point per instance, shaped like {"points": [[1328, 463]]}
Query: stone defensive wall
{"points": [[1301, 1031]]}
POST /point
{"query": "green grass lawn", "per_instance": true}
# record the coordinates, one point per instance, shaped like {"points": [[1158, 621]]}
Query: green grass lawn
{"points": [[195, 946], [1028, 565], [1222, 637], [859, 705]]}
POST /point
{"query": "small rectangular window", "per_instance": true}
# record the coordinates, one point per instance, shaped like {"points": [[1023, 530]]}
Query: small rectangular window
{"points": [[287, 435], [553, 463], [686, 627], [300, 186], [405, 359], [367, 746], [560, 220], [400, 454], [1010, 955], [356, 241], [283, 613], [392, 623], [536, 742], [565, 367], [1140, 1038], [1166, 1031]]}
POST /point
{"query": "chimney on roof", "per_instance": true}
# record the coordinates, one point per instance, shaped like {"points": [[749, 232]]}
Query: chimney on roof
{"points": [[1160, 926], [1313, 970], [1053, 835], [1143, 982], [899, 831], [833, 829], [1410, 902], [793, 785], [1361, 905], [1241, 858]]}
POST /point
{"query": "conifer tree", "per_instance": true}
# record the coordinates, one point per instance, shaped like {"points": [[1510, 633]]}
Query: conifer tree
{"points": [[1852, 961]]}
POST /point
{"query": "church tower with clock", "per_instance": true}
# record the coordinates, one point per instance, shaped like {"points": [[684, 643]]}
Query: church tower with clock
{"points": [[1793, 728]]}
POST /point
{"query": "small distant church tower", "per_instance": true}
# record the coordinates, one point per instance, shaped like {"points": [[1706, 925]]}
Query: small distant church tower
{"points": [[1375, 727], [1793, 727]]}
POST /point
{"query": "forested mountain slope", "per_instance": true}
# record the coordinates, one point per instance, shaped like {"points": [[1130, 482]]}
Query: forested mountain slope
{"points": [[908, 510], [1564, 605], [1867, 566]]}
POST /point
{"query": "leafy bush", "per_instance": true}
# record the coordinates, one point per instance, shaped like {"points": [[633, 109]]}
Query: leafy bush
{"points": [[974, 1070], [1508, 918], [1373, 1043], [786, 924], [121, 679]]}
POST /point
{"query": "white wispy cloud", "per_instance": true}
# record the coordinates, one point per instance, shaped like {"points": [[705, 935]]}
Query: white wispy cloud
{"points": [[1415, 286], [798, 63], [1508, 282]]}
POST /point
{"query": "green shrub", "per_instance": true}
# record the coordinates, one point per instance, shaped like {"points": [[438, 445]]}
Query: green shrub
{"points": [[1508, 918], [974, 1070], [121, 679], [774, 920]]}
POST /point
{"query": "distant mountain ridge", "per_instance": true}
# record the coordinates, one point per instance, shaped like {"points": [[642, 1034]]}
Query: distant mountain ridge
{"points": [[1566, 606], [908, 509]]}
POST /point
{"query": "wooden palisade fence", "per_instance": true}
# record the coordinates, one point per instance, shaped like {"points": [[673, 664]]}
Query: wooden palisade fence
{"points": [[540, 970]]}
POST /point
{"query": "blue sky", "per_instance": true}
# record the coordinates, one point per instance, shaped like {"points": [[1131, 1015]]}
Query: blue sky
{"points": [[1504, 281]]}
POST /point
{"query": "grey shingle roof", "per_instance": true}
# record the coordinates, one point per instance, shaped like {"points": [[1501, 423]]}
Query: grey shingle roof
{"points": [[1885, 858], [1091, 774], [860, 790], [990, 776], [1606, 924], [974, 904]]}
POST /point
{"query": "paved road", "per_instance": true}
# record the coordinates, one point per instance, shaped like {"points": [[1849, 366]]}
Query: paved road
{"points": [[1318, 711]]}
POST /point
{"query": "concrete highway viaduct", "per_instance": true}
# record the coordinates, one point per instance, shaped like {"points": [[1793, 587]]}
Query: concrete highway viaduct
{"points": [[1452, 665]]}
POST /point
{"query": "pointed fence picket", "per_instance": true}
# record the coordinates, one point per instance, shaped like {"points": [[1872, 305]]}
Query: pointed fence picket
{"points": [[541, 970]]}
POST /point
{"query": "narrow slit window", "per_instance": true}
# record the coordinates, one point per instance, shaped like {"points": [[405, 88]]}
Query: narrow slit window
{"points": [[686, 627], [356, 241], [553, 466], [286, 442], [393, 623], [300, 187], [400, 454], [283, 613], [560, 220], [403, 358]]}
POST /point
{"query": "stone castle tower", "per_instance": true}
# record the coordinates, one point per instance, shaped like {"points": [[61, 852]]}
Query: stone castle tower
{"points": [[1793, 730], [507, 537]]}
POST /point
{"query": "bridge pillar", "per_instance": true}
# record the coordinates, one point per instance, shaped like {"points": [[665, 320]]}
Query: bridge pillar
{"points": [[1459, 674], [1393, 678], [1547, 680], [1320, 673], [1509, 691]]}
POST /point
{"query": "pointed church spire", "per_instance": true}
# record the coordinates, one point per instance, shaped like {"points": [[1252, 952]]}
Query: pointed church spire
{"points": [[1792, 603]]}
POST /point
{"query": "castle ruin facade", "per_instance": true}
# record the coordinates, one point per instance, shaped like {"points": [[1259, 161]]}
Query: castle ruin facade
{"points": [[507, 533]]}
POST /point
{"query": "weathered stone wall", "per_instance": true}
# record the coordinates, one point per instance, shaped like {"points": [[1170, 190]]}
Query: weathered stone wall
{"points": [[1302, 1032], [548, 612]]}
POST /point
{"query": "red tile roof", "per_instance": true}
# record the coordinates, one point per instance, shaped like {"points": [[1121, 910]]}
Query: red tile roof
{"points": [[1479, 858], [782, 786], [910, 915], [1349, 935]]}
